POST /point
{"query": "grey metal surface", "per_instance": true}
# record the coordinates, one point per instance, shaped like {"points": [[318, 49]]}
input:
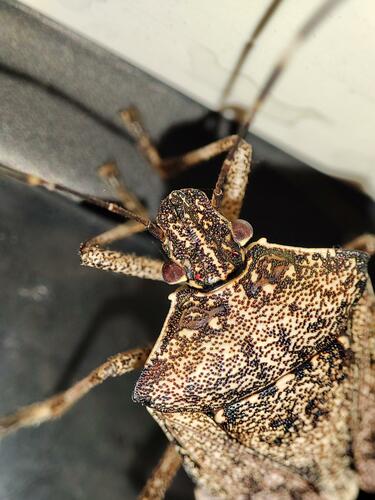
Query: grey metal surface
{"points": [[59, 95]]}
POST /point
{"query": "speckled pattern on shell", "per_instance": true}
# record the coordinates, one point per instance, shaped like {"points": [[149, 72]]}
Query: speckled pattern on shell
{"points": [[257, 378], [198, 237]]}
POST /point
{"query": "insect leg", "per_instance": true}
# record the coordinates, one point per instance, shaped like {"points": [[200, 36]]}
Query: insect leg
{"points": [[169, 167], [364, 242], [111, 174], [177, 164], [231, 184], [57, 405], [162, 475], [118, 233], [93, 255], [133, 124]]}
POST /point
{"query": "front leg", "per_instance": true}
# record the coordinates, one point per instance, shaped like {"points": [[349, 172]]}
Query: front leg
{"points": [[93, 255], [231, 184]]}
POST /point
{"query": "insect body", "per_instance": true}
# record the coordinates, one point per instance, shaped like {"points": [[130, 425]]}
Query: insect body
{"points": [[245, 394], [263, 376]]}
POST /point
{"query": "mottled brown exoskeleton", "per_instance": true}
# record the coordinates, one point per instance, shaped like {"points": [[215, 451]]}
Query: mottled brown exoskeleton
{"points": [[263, 376]]}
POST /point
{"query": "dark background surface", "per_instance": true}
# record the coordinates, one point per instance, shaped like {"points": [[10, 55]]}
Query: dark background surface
{"points": [[59, 96]]}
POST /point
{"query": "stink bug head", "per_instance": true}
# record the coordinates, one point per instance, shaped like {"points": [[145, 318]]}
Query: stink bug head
{"points": [[198, 238]]}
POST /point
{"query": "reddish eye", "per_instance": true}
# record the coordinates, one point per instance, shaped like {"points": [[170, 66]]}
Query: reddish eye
{"points": [[198, 277], [172, 272], [242, 231]]}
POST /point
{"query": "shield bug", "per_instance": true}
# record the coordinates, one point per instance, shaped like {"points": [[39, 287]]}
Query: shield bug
{"points": [[262, 377]]}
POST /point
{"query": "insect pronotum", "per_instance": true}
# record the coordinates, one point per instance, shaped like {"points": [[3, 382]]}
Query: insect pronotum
{"points": [[262, 377]]}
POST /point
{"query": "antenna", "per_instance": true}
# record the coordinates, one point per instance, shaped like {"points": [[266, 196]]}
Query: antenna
{"points": [[246, 49], [301, 36], [34, 180]]}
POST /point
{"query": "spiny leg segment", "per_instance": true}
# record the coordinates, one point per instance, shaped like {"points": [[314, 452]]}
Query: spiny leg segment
{"points": [[93, 255], [57, 405], [111, 174], [169, 167], [145, 145]]}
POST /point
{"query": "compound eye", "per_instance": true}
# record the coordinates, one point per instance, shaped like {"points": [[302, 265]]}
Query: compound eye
{"points": [[242, 231], [173, 273]]}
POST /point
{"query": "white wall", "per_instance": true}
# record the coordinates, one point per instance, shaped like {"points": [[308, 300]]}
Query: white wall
{"points": [[323, 109]]}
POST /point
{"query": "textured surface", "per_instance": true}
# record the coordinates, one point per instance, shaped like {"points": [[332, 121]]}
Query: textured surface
{"points": [[268, 358], [59, 320], [242, 336]]}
